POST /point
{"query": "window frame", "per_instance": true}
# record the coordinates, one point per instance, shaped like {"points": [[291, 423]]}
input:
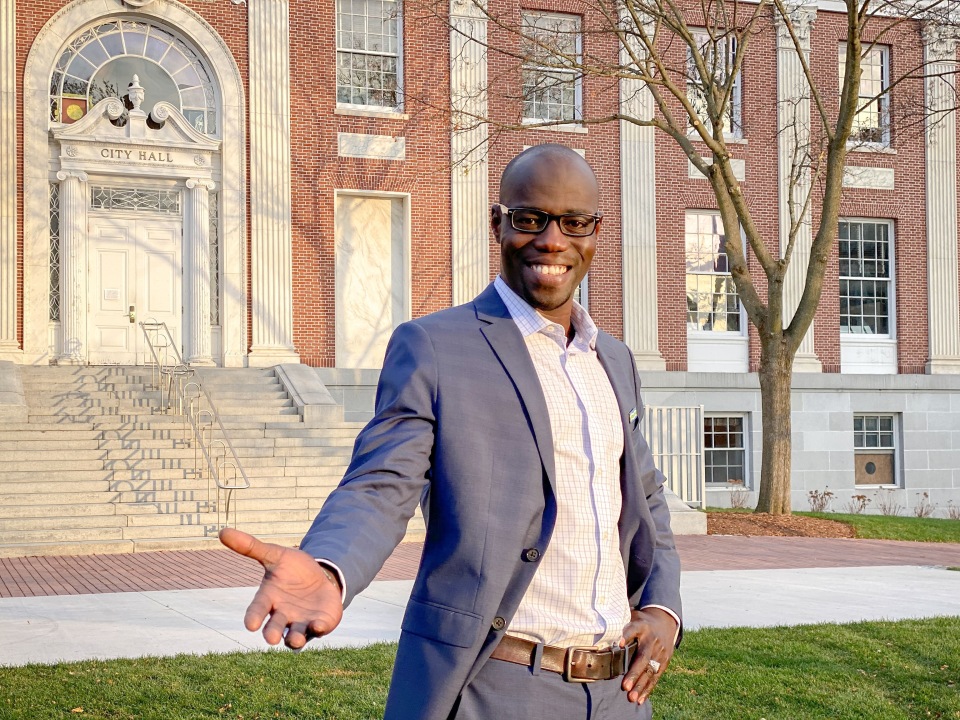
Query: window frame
{"points": [[735, 106], [396, 108], [882, 99], [697, 329], [891, 333], [894, 449], [744, 449], [576, 76]]}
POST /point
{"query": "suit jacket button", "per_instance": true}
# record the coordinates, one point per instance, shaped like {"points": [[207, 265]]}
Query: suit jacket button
{"points": [[498, 623], [532, 555]]}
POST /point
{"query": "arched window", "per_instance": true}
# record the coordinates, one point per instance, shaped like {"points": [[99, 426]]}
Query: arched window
{"points": [[100, 62]]}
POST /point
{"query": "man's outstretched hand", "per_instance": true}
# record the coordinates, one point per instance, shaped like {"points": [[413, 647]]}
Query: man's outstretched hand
{"points": [[299, 597]]}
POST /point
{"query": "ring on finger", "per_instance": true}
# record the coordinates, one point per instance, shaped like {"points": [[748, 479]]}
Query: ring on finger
{"points": [[653, 666]]}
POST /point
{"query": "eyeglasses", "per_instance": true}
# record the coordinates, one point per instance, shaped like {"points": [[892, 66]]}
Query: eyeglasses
{"points": [[531, 220]]}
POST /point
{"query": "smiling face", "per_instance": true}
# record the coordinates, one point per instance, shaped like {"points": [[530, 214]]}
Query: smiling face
{"points": [[545, 268]]}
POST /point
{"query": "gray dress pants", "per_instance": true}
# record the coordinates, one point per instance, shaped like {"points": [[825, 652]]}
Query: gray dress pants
{"points": [[507, 691]]}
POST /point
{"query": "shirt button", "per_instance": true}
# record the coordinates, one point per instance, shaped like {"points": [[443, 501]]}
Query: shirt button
{"points": [[532, 555], [498, 623], [603, 599]]}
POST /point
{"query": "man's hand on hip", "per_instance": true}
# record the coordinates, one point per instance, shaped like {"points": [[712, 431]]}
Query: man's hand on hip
{"points": [[654, 630], [301, 600]]}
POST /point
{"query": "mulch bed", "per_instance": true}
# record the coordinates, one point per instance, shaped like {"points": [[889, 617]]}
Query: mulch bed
{"points": [[727, 523]]}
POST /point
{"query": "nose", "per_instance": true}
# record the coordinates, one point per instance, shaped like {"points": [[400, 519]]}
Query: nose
{"points": [[551, 239]]}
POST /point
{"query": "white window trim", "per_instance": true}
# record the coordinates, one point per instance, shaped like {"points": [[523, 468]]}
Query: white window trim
{"points": [[747, 477], [373, 110], [886, 120], [891, 335], [727, 335], [576, 124], [736, 98], [897, 452]]}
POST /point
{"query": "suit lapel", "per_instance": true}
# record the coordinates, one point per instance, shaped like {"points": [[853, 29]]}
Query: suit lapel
{"points": [[621, 381], [507, 343]]}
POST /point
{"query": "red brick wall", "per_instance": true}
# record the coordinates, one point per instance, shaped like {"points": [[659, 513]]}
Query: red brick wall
{"points": [[318, 171], [905, 205], [600, 143]]}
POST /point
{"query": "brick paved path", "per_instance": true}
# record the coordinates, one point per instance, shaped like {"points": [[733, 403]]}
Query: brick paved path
{"points": [[197, 569]]}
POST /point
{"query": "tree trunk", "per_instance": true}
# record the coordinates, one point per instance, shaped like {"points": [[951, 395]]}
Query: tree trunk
{"points": [[776, 370]]}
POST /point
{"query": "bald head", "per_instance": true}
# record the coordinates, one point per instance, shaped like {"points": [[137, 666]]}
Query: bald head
{"points": [[552, 165]]}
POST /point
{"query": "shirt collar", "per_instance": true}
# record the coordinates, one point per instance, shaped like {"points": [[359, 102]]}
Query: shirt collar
{"points": [[529, 321]]}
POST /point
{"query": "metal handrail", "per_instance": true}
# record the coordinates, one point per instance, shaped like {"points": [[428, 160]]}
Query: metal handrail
{"points": [[192, 408]]}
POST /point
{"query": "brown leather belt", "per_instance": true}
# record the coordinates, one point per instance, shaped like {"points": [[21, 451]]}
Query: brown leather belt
{"points": [[576, 664]]}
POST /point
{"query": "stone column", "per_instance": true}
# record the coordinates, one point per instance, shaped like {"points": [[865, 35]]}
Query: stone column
{"points": [[73, 267], [196, 271], [8, 177], [793, 119], [469, 190], [940, 55], [638, 207], [271, 258]]}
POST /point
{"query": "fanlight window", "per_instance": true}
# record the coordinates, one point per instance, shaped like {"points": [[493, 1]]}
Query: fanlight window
{"points": [[99, 62]]}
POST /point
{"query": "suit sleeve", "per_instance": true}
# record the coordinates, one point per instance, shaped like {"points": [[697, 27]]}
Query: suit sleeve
{"points": [[663, 584], [364, 519]]}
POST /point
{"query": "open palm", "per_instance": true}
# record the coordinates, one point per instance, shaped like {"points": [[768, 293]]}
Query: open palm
{"points": [[297, 596]]}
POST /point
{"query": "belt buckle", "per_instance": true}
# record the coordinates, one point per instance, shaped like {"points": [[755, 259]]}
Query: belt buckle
{"points": [[568, 663]]}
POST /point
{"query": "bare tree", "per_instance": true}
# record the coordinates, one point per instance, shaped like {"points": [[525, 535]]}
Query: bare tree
{"points": [[688, 56]]}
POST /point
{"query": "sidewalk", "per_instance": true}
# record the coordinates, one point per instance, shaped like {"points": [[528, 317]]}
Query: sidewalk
{"points": [[110, 606]]}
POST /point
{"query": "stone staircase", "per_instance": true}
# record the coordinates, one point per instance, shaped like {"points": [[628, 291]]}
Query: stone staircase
{"points": [[99, 468]]}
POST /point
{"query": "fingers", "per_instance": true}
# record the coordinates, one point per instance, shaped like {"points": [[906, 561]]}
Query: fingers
{"points": [[275, 628], [640, 679]]}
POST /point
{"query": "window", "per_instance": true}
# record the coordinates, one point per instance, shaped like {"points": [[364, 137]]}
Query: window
{"points": [[719, 55], [368, 53], [582, 293], [865, 277], [712, 302], [551, 83], [101, 61], [723, 447], [874, 443], [872, 123]]}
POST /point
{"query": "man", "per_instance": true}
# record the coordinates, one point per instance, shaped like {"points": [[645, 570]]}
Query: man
{"points": [[515, 424]]}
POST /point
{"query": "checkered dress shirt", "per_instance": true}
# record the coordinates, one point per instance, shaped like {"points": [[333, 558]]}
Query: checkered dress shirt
{"points": [[578, 595]]}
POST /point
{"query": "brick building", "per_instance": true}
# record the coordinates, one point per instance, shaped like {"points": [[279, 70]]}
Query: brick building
{"points": [[282, 182]]}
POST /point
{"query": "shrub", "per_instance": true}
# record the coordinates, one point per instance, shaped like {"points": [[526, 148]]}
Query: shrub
{"points": [[857, 504], [924, 508], [887, 502], [820, 500]]}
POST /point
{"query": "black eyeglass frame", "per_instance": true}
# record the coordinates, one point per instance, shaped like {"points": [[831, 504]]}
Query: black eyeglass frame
{"points": [[509, 212]]}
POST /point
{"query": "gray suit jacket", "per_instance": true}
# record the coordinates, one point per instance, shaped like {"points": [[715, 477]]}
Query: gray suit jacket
{"points": [[461, 426]]}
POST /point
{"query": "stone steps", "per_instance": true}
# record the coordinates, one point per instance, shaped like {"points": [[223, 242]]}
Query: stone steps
{"points": [[99, 467]]}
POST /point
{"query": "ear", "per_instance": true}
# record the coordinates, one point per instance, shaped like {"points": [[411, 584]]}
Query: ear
{"points": [[496, 221]]}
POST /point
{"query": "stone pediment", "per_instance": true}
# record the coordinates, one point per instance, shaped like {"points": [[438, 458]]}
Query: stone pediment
{"points": [[163, 143], [171, 127]]}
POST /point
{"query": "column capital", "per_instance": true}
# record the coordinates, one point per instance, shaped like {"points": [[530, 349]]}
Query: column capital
{"points": [[469, 8], [801, 19], [940, 42], [78, 174], [201, 183]]}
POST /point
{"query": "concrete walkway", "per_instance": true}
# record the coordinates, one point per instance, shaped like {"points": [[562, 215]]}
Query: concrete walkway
{"points": [[112, 606]]}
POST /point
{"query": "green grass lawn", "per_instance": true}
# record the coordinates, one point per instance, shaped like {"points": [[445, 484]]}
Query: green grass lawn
{"points": [[895, 527], [863, 671]]}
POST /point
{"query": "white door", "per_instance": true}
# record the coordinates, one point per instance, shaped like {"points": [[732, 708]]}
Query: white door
{"points": [[135, 275], [372, 277]]}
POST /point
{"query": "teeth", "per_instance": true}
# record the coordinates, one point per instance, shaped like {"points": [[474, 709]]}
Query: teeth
{"points": [[550, 269]]}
